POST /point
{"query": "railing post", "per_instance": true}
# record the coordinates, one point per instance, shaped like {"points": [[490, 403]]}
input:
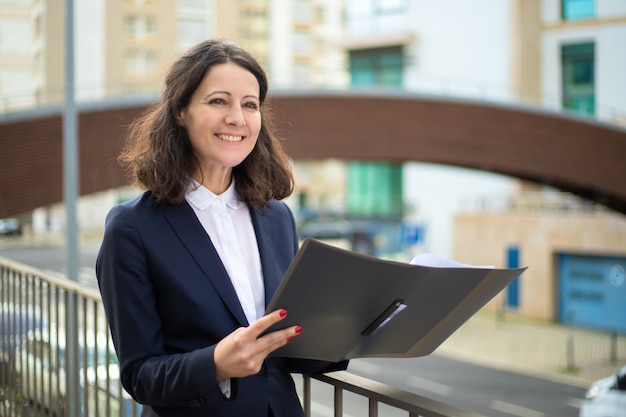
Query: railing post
{"points": [[613, 355], [71, 355], [306, 394], [338, 401], [373, 408]]}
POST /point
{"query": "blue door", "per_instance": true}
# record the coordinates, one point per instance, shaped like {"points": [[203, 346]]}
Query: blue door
{"points": [[512, 291]]}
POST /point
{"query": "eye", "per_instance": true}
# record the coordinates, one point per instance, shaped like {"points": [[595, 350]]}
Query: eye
{"points": [[251, 105], [217, 100]]}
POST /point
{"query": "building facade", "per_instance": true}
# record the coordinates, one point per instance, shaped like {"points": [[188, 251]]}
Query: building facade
{"points": [[575, 250]]}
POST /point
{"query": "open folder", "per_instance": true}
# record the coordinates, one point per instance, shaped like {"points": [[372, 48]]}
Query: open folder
{"points": [[352, 305]]}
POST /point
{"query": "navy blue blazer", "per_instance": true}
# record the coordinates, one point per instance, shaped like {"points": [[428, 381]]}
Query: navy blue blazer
{"points": [[169, 301]]}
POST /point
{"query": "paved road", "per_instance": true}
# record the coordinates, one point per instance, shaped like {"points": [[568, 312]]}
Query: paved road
{"points": [[484, 390], [52, 259]]}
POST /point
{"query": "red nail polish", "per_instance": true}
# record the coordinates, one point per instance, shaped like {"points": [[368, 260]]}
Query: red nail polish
{"points": [[283, 313], [289, 339], [298, 329]]}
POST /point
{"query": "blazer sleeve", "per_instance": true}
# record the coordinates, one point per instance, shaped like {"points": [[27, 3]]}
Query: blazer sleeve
{"points": [[148, 373]]}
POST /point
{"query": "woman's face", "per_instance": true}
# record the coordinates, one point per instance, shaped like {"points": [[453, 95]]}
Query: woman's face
{"points": [[223, 119]]}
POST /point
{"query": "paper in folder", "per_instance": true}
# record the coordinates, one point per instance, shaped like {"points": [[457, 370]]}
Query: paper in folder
{"points": [[352, 305]]}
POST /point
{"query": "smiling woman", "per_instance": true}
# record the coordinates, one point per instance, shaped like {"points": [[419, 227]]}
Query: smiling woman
{"points": [[186, 269], [200, 87], [223, 121]]}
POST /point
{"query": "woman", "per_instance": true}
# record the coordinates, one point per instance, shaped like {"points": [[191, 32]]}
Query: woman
{"points": [[186, 269]]}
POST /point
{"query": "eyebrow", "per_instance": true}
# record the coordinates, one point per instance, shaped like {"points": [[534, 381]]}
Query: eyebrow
{"points": [[228, 93]]}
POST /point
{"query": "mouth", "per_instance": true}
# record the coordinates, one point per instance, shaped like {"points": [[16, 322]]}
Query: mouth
{"points": [[229, 138]]}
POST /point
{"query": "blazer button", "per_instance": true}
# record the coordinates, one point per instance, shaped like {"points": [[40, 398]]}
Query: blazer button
{"points": [[196, 403]]}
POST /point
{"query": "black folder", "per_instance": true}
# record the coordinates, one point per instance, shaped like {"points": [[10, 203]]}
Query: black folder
{"points": [[352, 305]]}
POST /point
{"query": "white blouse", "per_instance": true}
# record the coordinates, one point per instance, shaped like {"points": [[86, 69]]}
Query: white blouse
{"points": [[227, 221]]}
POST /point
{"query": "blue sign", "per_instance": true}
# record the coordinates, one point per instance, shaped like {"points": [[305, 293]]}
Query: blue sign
{"points": [[593, 291], [412, 234]]}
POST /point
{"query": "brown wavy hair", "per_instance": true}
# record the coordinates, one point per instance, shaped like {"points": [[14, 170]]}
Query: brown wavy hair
{"points": [[158, 153]]}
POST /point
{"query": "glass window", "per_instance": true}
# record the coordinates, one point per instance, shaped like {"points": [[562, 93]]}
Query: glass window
{"points": [[192, 3], [151, 25], [130, 24], [137, 26], [390, 6], [382, 67], [578, 9], [302, 74], [302, 42], [302, 12], [578, 67], [140, 62], [192, 29], [374, 189]]}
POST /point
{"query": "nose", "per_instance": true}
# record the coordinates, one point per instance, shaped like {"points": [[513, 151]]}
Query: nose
{"points": [[235, 116]]}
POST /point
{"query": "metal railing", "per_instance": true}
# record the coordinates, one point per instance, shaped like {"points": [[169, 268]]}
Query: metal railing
{"points": [[377, 394], [38, 376], [34, 316]]}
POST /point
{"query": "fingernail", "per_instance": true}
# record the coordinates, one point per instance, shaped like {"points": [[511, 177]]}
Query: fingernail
{"points": [[289, 339], [298, 329], [283, 313]]}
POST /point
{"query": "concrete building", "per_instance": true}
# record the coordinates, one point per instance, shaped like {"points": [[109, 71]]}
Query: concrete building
{"points": [[575, 250], [124, 46], [121, 46]]}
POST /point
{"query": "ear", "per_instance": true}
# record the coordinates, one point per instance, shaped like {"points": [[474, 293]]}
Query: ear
{"points": [[180, 119]]}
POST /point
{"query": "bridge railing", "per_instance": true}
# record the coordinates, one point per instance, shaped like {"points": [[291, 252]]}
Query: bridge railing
{"points": [[43, 318]]}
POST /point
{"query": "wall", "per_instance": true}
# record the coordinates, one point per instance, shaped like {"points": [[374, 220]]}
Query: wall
{"points": [[470, 60], [482, 239]]}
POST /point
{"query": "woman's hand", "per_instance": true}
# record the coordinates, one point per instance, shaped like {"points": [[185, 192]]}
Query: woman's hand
{"points": [[242, 352]]}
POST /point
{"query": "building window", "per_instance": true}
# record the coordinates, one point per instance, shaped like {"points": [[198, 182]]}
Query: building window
{"points": [[192, 29], [193, 4], [578, 77], [578, 9], [140, 26], [302, 12], [381, 67], [302, 45], [140, 62], [138, 2], [374, 189], [37, 28], [390, 6], [302, 74]]}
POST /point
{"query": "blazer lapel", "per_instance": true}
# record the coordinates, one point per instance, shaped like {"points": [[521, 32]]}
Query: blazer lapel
{"points": [[264, 237], [191, 233]]}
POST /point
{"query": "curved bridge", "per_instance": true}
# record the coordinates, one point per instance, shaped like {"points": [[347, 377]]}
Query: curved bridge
{"points": [[573, 154]]}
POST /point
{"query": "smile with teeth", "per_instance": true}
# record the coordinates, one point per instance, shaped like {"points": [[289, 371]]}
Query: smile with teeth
{"points": [[229, 138]]}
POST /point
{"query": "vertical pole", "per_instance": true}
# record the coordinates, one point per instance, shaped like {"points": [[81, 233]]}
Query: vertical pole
{"points": [[306, 395], [70, 147], [70, 191], [338, 401], [571, 364]]}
